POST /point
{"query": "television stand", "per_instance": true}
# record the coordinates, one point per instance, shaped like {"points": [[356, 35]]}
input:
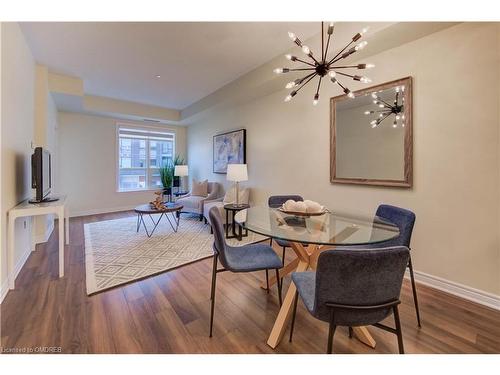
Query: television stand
{"points": [[25, 208], [44, 200]]}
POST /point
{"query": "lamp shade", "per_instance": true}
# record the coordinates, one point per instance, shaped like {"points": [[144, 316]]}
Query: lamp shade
{"points": [[237, 172], [180, 170]]}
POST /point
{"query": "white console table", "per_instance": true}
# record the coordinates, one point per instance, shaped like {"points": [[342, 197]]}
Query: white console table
{"points": [[24, 209]]}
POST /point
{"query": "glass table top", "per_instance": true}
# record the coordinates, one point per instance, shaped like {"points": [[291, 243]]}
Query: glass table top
{"points": [[326, 229]]}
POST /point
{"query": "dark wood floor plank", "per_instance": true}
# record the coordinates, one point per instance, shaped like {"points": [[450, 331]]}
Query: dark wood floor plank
{"points": [[169, 313]]}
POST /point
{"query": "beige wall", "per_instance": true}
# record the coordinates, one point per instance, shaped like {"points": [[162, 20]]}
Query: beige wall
{"points": [[456, 150], [17, 132], [87, 160]]}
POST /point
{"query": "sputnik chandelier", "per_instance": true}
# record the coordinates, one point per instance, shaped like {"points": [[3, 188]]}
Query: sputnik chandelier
{"points": [[396, 108], [323, 66]]}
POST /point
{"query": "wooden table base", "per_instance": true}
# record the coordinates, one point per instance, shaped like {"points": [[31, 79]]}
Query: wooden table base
{"points": [[307, 258]]}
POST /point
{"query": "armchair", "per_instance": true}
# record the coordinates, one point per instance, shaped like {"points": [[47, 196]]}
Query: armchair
{"points": [[194, 204]]}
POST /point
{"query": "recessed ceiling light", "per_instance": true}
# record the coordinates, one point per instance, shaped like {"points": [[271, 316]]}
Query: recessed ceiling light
{"points": [[158, 76]]}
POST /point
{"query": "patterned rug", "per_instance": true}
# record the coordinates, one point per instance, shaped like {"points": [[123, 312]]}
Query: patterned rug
{"points": [[116, 254]]}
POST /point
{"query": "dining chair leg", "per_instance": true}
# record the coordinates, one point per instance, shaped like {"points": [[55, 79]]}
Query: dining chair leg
{"points": [[350, 332], [294, 312], [212, 293], [271, 242], [399, 333], [283, 261], [414, 290], [331, 332], [267, 281], [278, 285]]}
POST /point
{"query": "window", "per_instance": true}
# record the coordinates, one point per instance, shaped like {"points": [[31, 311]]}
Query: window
{"points": [[141, 153]]}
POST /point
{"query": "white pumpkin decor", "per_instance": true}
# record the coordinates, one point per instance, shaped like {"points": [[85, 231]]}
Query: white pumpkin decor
{"points": [[313, 207], [306, 206]]}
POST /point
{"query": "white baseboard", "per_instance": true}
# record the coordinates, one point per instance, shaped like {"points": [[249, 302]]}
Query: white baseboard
{"points": [[41, 238], [17, 268], [459, 290], [101, 211]]}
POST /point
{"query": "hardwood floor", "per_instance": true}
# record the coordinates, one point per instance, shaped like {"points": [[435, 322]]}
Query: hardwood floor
{"points": [[169, 313]]}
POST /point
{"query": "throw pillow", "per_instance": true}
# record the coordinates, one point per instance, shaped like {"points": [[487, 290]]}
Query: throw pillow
{"points": [[199, 188]]}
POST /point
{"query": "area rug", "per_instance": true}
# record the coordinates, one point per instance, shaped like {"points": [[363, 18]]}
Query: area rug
{"points": [[116, 254]]}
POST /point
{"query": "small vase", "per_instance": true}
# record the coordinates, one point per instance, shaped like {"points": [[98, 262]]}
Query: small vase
{"points": [[167, 195]]}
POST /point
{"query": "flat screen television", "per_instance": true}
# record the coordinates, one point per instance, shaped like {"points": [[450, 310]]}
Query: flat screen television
{"points": [[41, 175]]}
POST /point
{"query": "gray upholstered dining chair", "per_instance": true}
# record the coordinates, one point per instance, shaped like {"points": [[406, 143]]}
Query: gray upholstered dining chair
{"points": [[354, 288], [404, 220], [246, 258], [276, 201]]}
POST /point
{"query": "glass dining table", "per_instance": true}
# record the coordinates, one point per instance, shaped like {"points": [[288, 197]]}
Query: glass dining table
{"points": [[308, 237]]}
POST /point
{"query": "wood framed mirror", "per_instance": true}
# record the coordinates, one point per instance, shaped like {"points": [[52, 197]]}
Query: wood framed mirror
{"points": [[371, 136]]}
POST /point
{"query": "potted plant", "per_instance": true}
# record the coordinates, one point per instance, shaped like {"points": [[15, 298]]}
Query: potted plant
{"points": [[167, 178]]}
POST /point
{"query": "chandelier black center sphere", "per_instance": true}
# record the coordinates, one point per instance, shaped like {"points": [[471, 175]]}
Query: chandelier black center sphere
{"points": [[325, 66]]}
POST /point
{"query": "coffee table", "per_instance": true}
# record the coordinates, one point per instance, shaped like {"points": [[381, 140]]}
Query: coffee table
{"points": [[146, 209]]}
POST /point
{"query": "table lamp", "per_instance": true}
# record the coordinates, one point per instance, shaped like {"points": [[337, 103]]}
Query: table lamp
{"points": [[180, 171], [237, 173]]}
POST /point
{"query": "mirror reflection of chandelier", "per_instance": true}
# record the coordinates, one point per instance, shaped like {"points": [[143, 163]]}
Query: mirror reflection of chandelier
{"points": [[395, 108], [323, 66]]}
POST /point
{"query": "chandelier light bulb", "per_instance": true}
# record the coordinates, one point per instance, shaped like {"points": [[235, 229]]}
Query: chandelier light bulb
{"points": [[289, 57], [330, 28], [332, 74], [403, 117], [365, 30], [289, 85], [361, 45], [350, 94], [316, 99], [398, 117], [381, 105], [370, 66], [306, 50], [369, 112], [292, 36], [290, 96], [374, 95], [281, 70], [395, 124], [365, 80], [403, 124]]}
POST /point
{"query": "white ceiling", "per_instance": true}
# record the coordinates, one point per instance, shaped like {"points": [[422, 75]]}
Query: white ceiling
{"points": [[121, 60]]}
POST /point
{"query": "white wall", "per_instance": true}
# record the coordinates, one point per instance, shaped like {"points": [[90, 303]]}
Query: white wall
{"points": [[87, 160], [46, 137], [17, 127], [456, 150]]}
